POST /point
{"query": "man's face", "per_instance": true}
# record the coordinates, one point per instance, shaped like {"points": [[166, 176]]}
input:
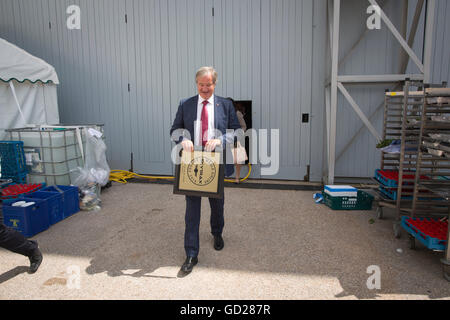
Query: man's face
{"points": [[205, 86]]}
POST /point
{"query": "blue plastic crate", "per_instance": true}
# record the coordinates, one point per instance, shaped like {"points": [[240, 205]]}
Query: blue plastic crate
{"points": [[14, 190], [426, 240], [389, 178], [70, 198], [385, 181], [55, 204], [28, 221], [5, 182], [12, 159], [20, 178], [391, 193]]}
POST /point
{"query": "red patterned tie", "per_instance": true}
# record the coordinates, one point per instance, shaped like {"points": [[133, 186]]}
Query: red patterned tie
{"points": [[204, 123]]}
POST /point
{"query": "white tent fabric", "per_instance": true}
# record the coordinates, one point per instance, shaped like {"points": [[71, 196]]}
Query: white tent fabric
{"points": [[27, 89], [18, 64]]}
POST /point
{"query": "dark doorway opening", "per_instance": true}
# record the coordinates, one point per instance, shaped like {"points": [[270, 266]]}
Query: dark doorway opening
{"points": [[244, 112], [245, 107]]}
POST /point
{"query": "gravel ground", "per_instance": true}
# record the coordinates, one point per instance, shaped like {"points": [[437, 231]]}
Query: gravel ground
{"points": [[279, 245]]}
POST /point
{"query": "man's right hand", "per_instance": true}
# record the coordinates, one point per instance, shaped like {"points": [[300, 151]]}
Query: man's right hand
{"points": [[187, 145]]}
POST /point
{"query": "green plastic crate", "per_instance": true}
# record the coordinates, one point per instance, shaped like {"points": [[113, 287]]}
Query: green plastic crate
{"points": [[363, 201]]}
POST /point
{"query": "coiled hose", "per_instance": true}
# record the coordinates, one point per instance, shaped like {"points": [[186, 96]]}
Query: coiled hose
{"points": [[122, 176]]}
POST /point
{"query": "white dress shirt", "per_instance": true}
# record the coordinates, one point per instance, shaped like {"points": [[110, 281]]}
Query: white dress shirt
{"points": [[198, 122]]}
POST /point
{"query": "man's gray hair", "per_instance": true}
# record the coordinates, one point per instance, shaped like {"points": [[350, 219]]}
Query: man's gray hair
{"points": [[203, 71]]}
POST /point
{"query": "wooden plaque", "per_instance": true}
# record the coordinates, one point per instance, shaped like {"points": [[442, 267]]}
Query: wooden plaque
{"points": [[201, 174]]}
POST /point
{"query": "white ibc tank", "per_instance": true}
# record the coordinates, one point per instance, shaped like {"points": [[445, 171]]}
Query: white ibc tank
{"points": [[51, 153]]}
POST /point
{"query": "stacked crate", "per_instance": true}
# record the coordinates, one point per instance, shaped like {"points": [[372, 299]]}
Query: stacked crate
{"points": [[346, 198], [12, 161], [33, 210]]}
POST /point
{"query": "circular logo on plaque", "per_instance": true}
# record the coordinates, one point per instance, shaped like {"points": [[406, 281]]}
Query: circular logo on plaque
{"points": [[201, 171]]}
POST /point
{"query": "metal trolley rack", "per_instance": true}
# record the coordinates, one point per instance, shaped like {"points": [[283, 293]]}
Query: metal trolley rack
{"points": [[434, 161], [402, 115], [421, 121], [444, 192]]}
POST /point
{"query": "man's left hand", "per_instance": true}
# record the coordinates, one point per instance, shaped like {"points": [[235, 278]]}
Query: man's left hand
{"points": [[212, 144]]}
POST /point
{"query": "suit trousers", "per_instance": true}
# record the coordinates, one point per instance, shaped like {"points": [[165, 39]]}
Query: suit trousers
{"points": [[192, 221], [14, 241]]}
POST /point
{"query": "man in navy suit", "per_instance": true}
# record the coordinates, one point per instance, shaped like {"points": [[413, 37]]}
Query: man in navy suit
{"points": [[205, 119]]}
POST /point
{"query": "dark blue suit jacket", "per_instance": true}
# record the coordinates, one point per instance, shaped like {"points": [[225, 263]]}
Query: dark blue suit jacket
{"points": [[224, 118]]}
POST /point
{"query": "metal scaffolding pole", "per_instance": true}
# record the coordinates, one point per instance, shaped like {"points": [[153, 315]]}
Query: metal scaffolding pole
{"points": [[412, 37], [429, 31], [334, 91], [337, 81]]}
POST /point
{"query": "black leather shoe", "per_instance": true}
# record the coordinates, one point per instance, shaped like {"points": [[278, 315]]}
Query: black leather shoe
{"points": [[35, 260], [189, 264], [218, 243]]}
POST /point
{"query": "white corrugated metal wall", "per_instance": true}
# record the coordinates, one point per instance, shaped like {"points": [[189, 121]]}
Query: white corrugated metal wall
{"points": [[269, 51], [132, 61], [91, 63], [441, 53]]}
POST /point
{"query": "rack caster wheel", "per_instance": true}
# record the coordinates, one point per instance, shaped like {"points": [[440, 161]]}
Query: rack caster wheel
{"points": [[397, 230], [447, 276], [446, 269], [106, 186], [412, 242], [380, 213]]}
